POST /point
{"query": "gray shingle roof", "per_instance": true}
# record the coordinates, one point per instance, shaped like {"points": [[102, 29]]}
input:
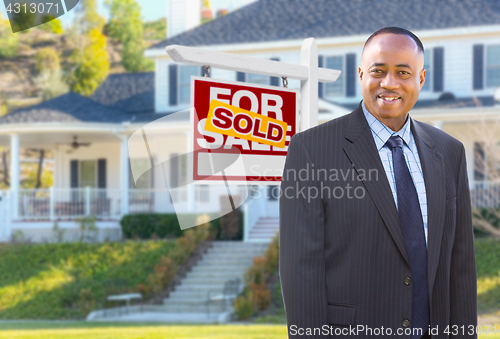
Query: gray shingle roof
{"points": [[128, 92], [272, 20], [70, 107]]}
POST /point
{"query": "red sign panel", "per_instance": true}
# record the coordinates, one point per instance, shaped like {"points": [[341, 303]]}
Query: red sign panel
{"points": [[262, 162]]}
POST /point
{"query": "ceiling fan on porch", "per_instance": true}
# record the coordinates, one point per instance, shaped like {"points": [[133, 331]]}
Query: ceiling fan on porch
{"points": [[75, 144]]}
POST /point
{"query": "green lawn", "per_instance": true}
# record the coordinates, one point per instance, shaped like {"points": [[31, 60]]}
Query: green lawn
{"points": [[82, 330]]}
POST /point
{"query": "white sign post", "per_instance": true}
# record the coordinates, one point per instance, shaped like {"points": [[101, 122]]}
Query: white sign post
{"points": [[307, 72]]}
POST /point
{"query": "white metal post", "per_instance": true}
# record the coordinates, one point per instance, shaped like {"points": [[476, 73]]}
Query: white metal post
{"points": [[14, 174], [87, 200], [309, 86], [124, 176], [51, 193]]}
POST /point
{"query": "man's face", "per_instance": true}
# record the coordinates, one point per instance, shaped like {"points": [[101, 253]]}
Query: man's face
{"points": [[391, 75]]}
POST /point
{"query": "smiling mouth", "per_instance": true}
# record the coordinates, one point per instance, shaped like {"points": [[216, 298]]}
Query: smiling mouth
{"points": [[388, 98]]}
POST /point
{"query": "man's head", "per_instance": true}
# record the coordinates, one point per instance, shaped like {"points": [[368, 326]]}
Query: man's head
{"points": [[391, 74]]}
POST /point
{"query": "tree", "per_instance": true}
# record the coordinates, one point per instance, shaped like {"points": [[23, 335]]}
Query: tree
{"points": [[8, 40], [93, 66], [51, 84], [53, 26], [47, 59], [90, 59], [125, 25]]}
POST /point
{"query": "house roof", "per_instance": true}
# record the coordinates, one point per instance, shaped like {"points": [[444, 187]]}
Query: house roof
{"points": [[70, 107], [128, 92], [272, 20]]}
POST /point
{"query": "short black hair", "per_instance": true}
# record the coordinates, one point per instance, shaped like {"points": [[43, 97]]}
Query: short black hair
{"points": [[396, 30]]}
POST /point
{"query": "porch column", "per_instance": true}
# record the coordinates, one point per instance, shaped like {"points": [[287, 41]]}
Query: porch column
{"points": [[14, 174], [124, 175]]}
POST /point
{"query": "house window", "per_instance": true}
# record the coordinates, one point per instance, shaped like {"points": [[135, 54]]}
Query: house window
{"points": [[493, 66], [427, 66], [257, 79], [88, 173], [185, 73], [335, 89]]}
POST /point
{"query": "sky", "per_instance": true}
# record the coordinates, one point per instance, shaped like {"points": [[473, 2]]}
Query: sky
{"points": [[153, 9]]}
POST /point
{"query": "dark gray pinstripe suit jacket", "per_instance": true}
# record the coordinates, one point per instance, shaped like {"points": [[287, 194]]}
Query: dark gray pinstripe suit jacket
{"points": [[343, 259]]}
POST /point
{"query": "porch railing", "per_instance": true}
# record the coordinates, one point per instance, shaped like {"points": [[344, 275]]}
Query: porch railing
{"points": [[68, 203], [485, 194]]}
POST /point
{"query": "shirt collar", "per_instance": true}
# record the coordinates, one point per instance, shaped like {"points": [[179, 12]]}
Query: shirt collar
{"points": [[382, 132]]}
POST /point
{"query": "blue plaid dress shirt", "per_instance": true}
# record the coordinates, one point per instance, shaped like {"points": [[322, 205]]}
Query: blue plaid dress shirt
{"points": [[382, 133]]}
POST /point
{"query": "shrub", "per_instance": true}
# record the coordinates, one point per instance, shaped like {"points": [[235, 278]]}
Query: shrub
{"points": [[47, 59], [244, 307], [144, 225]]}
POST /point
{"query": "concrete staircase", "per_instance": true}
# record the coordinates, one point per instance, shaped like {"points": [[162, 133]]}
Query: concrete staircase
{"points": [[224, 261], [264, 230]]}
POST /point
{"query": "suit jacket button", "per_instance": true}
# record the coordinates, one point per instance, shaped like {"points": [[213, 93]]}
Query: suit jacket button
{"points": [[407, 281], [406, 323]]}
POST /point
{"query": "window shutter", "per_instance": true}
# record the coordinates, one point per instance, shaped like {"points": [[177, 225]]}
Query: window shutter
{"points": [[438, 69], [350, 75], [74, 173], [101, 173], [172, 85], [320, 84], [275, 81], [240, 76], [478, 67]]}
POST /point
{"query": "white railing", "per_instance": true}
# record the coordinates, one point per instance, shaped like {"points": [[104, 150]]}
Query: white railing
{"points": [[68, 203], [485, 194]]}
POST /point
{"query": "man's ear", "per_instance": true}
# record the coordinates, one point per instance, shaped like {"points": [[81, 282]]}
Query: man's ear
{"points": [[421, 76], [360, 73]]}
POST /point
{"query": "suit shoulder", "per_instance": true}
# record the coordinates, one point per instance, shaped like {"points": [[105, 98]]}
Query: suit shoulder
{"points": [[445, 143], [331, 129]]}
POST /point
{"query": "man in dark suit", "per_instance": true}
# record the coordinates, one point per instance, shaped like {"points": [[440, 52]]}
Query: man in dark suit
{"points": [[376, 236]]}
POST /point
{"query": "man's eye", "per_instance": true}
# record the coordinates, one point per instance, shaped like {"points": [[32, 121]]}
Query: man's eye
{"points": [[404, 72], [376, 71]]}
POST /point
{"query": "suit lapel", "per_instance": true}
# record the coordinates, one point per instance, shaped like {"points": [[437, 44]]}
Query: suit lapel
{"points": [[363, 154], [435, 187]]}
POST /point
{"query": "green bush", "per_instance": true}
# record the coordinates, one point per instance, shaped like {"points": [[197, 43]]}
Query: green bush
{"points": [[144, 226], [243, 306], [488, 214], [149, 225]]}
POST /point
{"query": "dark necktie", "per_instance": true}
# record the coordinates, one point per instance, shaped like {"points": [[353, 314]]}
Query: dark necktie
{"points": [[412, 226]]}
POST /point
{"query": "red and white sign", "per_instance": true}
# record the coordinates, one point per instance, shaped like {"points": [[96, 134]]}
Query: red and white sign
{"points": [[263, 162]]}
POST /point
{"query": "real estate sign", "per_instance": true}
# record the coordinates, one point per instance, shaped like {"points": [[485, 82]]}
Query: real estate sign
{"points": [[241, 131]]}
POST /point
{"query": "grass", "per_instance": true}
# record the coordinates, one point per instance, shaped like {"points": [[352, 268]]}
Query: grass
{"points": [[488, 275], [82, 330], [64, 281]]}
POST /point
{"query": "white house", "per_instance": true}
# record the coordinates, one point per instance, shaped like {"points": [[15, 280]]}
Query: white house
{"points": [[462, 58]]}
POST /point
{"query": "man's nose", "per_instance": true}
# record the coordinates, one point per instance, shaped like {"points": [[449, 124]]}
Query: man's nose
{"points": [[389, 81]]}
